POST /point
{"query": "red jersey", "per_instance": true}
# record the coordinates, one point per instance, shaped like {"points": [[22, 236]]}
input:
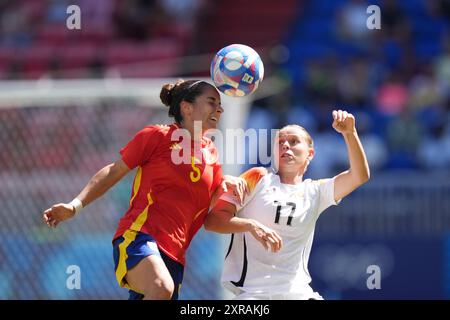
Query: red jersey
{"points": [[169, 201]]}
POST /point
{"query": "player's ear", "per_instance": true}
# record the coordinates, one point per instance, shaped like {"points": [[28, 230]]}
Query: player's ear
{"points": [[311, 154]]}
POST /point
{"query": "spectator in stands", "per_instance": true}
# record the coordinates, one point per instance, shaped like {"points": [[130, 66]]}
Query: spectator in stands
{"points": [[14, 70], [141, 19], [96, 68], [424, 90], [392, 96], [351, 22], [97, 13], [393, 18], [442, 67], [133, 18], [15, 30], [353, 82], [437, 142], [182, 12], [56, 11], [403, 136]]}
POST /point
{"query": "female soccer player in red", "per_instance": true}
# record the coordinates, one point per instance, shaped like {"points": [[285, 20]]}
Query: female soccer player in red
{"points": [[169, 201]]}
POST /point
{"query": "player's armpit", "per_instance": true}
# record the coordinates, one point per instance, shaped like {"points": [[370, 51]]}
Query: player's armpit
{"points": [[345, 183]]}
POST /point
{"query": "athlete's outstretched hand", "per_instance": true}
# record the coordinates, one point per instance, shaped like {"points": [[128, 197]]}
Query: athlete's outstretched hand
{"points": [[268, 238], [237, 185], [58, 213]]}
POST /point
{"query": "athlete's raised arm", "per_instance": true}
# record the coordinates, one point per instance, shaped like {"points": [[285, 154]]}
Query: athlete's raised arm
{"points": [[101, 182], [359, 172]]}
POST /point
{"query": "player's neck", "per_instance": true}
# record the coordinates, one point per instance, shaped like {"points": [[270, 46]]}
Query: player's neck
{"points": [[196, 133], [290, 177]]}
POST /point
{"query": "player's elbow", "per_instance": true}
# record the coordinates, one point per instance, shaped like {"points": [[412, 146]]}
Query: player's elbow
{"points": [[212, 222], [217, 221], [364, 176], [367, 176]]}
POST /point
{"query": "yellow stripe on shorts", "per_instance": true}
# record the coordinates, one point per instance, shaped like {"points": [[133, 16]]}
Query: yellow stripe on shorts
{"points": [[129, 236]]}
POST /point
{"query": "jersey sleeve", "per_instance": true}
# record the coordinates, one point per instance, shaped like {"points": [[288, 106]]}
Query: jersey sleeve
{"points": [[326, 194], [139, 150], [252, 177], [217, 178]]}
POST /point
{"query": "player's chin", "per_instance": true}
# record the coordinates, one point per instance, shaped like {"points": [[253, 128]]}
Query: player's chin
{"points": [[211, 124], [286, 159], [285, 163]]}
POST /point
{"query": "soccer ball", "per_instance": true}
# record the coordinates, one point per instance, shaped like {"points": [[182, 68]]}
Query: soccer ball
{"points": [[237, 70]]}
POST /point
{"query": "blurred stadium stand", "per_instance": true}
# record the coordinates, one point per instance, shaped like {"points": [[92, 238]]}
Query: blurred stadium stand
{"points": [[395, 80], [256, 23], [113, 33]]}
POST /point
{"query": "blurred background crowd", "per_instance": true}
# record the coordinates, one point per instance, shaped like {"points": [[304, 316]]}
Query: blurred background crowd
{"points": [[396, 80]]}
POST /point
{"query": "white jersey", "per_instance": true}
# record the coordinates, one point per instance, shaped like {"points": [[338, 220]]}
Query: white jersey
{"points": [[250, 271]]}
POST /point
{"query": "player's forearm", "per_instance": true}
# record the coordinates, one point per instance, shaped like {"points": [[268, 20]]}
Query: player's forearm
{"points": [[222, 223], [359, 167], [236, 224], [99, 184]]}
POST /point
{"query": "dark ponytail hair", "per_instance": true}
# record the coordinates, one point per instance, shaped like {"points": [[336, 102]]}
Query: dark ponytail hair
{"points": [[172, 94]]}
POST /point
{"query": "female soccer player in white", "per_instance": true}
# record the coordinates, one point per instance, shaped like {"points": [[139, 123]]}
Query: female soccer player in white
{"points": [[281, 203]]}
